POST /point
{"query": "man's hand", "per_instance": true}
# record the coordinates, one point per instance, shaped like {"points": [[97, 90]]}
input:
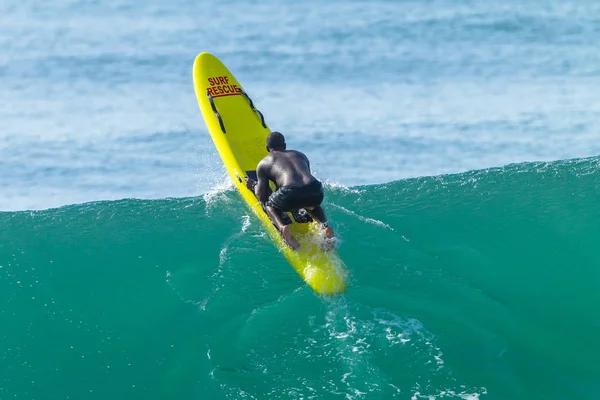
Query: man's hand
{"points": [[250, 184]]}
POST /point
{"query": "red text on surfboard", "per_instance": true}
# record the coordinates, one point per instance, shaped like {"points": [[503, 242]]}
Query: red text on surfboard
{"points": [[220, 87]]}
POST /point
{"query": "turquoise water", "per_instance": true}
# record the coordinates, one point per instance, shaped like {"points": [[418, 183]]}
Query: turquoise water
{"points": [[458, 141], [477, 285]]}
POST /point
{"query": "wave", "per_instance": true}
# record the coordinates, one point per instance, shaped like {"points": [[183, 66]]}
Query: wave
{"points": [[474, 285]]}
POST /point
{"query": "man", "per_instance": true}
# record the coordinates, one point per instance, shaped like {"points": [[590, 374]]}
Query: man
{"points": [[296, 187]]}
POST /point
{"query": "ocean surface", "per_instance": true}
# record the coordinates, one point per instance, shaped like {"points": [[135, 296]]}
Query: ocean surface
{"points": [[459, 144]]}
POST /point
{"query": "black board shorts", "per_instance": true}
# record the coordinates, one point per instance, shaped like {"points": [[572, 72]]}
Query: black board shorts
{"points": [[289, 198]]}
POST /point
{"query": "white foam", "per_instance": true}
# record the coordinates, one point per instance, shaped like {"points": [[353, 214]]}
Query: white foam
{"points": [[343, 188], [218, 192], [366, 219], [443, 394]]}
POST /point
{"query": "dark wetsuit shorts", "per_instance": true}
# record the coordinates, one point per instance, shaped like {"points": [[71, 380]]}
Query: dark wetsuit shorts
{"points": [[289, 198]]}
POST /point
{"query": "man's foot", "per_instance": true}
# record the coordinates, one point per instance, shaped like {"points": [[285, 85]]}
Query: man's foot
{"points": [[289, 238], [329, 241]]}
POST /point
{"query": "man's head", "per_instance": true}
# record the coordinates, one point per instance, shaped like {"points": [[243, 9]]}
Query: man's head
{"points": [[275, 141]]}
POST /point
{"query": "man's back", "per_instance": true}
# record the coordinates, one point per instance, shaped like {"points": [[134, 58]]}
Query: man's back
{"points": [[296, 187], [287, 168]]}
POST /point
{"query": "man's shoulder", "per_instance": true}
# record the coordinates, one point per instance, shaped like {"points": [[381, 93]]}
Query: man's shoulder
{"points": [[266, 162], [295, 153]]}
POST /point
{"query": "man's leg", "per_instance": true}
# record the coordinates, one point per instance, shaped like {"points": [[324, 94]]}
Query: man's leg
{"points": [[319, 215], [275, 216]]}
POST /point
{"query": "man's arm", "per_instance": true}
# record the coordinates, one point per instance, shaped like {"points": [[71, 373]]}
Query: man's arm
{"points": [[262, 186]]}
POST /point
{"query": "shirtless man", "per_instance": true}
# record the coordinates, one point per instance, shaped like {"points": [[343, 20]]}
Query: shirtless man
{"points": [[296, 187]]}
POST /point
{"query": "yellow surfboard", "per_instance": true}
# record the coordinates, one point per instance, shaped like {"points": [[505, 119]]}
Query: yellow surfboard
{"points": [[239, 130]]}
